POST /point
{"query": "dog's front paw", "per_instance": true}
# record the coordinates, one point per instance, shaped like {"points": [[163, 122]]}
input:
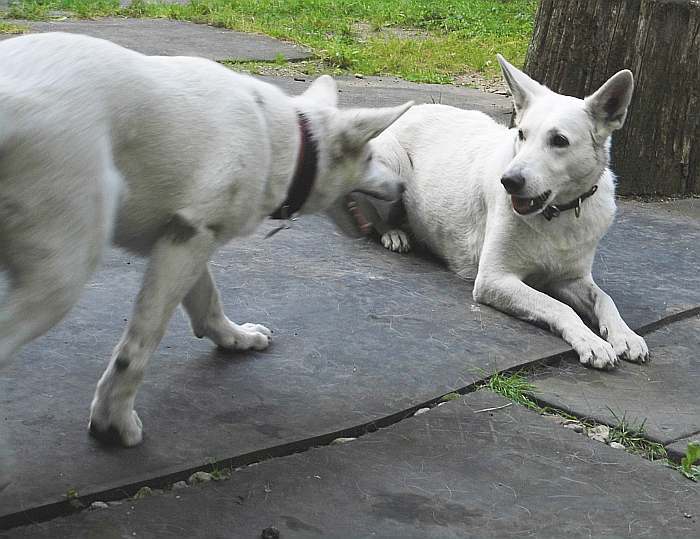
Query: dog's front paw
{"points": [[628, 345], [595, 352], [243, 337], [397, 241], [127, 432]]}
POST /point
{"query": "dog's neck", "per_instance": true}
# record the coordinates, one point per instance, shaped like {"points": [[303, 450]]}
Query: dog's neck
{"points": [[554, 210], [304, 175]]}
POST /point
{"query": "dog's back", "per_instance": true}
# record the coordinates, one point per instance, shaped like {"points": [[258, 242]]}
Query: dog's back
{"points": [[452, 154]]}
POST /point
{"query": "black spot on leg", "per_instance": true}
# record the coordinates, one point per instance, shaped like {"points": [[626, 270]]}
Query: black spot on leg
{"points": [[121, 364]]}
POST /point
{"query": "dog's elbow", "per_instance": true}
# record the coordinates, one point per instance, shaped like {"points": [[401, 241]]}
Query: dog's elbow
{"points": [[482, 289]]}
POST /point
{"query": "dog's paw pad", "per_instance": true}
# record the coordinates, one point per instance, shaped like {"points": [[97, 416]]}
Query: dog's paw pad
{"points": [[397, 241], [129, 436]]}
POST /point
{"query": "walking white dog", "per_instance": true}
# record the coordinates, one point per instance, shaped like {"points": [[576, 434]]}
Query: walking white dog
{"points": [[522, 210], [170, 158]]}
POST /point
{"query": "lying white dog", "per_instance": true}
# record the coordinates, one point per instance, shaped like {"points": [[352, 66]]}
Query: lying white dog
{"points": [[522, 210], [167, 157]]}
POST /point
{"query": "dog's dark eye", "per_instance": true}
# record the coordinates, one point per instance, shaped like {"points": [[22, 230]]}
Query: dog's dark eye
{"points": [[521, 135], [559, 141]]}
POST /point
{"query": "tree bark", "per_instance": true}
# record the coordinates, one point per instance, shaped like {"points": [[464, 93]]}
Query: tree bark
{"points": [[578, 44]]}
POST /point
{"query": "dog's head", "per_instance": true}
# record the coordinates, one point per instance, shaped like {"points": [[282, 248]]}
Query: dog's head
{"points": [[345, 160], [561, 143]]}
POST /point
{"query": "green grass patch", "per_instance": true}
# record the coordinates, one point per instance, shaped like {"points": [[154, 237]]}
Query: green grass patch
{"points": [[514, 387], [633, 437], [450, 397], [419, 40], [692, 456], [11, 28]]}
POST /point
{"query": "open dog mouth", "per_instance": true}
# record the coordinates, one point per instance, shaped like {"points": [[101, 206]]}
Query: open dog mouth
{"points": [[526, 206]]}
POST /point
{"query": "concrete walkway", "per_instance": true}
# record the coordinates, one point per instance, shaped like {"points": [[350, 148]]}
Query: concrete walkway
{"points": [[363, 339], [176, 38]]}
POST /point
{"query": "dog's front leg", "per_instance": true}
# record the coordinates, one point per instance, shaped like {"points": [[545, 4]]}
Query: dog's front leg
{"points": [[591, 301], [507, 293], [175, 265], [203, 306]]}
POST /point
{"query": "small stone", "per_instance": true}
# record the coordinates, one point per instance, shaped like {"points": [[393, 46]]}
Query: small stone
{"points": [[616, 445], [98, 505], [359, 76], [339, 441], [143, 492], [270, 533], [600, 433], [179, 485], [687, 515], [421, 411], [199, 477], [574, 425]]}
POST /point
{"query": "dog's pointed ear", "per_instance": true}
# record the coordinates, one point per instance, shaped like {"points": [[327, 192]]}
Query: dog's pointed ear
{"points": [[324, 91], [608, 106], [522, 87], [365, 124]]}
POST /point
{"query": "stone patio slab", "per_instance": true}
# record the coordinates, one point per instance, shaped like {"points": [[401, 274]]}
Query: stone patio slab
{"points": [[359, 335], [176, 38], [457, 471], [664, 394]]}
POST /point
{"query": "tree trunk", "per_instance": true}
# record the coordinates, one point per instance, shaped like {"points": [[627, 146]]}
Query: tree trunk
{"points": [[578, 44]]}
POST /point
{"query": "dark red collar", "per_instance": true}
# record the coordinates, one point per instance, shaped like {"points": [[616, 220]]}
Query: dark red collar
{"points": [[304, 176]]}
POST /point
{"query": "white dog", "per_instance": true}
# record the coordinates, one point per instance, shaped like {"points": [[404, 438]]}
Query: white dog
{"points": [[521, 210], [167, 157]]}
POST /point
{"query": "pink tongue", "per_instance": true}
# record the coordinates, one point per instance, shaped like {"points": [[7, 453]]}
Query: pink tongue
{"points": [[521, 205]]}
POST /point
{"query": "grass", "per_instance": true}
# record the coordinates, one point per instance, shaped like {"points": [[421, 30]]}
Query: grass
{"points": [[11, 28], [632, 436], [419, 40], [692, 456], [515, 386]]}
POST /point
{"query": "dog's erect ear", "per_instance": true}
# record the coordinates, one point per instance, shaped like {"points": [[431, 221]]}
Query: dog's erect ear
{"points": [[362, 125], [523, 88], [608, 106], [324, 91]]}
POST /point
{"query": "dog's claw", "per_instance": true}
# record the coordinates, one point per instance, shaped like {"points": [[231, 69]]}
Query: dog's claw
{"points": [[397, 241]]}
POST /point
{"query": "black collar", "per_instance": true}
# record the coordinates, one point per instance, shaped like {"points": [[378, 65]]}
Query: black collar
{"points": [[304, 175], [552, 211]]}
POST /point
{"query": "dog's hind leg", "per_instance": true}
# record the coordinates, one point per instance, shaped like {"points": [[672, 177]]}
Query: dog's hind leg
{"points": [[47, 259], [203, 305], [177, 261], [37, 299], [387, 219]]}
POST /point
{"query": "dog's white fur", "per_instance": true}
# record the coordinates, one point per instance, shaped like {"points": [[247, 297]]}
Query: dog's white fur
{"points": [[167, 157], [452, 162]]}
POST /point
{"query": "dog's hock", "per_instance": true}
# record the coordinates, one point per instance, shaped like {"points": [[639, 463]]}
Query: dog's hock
{"points": [[608, 105]]}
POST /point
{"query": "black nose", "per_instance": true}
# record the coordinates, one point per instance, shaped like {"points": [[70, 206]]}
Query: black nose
{"points": [[513, 182]]}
